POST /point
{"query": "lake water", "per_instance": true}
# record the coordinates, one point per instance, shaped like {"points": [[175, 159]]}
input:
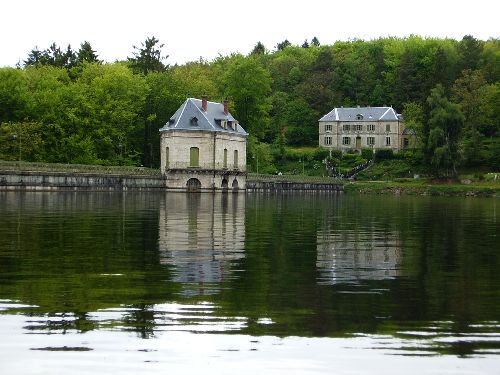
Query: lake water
{"points": [[135, 283]]}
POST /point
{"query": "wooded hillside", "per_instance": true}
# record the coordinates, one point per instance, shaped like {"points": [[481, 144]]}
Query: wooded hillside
{"points": [[67, 106]]}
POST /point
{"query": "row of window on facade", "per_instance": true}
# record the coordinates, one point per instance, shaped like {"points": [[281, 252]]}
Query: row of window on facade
{"points": [[346, 141], [356, 127], [194, 158]]}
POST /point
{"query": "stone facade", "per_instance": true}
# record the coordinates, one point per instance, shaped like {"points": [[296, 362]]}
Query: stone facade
{"points": [[207, 154], [356, 128]]}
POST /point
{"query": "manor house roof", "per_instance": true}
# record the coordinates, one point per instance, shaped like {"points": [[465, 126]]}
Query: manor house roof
{"points": [[191, 116], [361, 114]]}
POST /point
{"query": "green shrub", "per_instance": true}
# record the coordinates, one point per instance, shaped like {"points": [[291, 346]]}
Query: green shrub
{"points": [[320, 153], [384, 155], [367, 153]]}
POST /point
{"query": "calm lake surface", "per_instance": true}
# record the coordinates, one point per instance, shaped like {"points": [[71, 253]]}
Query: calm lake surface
{"points": [[135, 283]]}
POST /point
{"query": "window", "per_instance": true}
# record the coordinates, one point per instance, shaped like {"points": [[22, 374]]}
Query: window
{"points": [[388, 128], [358, 128], [371, 127], [328, 140], [370, 141], [406, 142], [194, 157], [346, 127], [167, 157], [359, 117], [387, 141], [223, 124], [235, 159], [346, 140], [328, 127], [194, 121], [225, 159]]}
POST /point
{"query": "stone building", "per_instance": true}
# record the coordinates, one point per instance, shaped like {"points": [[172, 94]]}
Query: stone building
{"points": [[363, 127], [203, 148]]}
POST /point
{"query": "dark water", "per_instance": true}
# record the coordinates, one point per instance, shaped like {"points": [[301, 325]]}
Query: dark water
{"points": [[138, 283]]}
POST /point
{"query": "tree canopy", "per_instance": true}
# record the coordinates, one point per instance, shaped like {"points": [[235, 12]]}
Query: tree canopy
{"points": [[85, 110]]}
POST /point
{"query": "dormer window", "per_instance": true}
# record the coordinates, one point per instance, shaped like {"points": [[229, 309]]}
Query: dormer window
{"points": [[223, 124], [171, 121], [194, 121], [359, 117]]}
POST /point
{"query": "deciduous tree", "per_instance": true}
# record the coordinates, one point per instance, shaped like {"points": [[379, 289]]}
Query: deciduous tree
{"points": [[445, 122]]}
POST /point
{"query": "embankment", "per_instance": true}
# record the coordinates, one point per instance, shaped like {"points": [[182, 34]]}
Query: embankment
{"points": [[46, 181], [434, 189], [112, 181]]}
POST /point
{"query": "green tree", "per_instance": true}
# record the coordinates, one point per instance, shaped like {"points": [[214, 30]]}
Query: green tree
{"points": [[282, 45], [148, 58], [315, 42], [467, 93], [317, 87], [20, 141], [490, 60], [87, 54], [413, 116], [259, 49], [13, 94], [444, 124], [248, 84], [489, 109], [52, 56], [470, 50]]}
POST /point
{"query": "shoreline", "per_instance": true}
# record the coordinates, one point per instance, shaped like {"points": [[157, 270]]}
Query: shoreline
{"points": [[480, 189]]}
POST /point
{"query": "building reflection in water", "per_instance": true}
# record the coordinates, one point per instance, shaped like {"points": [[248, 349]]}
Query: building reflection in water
{"points": [[203, 237], [354, 256]]}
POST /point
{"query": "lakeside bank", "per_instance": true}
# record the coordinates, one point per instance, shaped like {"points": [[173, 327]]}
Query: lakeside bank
{"points": [[423, 187], [64, 177], [55, 177]]}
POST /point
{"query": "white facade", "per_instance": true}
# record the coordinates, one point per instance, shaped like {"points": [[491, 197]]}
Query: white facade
{"points": [[347, 129]]}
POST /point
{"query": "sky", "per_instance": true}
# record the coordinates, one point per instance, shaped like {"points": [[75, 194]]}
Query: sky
{"points": [[190, 29]]}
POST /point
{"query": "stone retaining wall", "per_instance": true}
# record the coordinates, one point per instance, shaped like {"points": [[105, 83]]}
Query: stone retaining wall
{"points": [[46, 181], [24, 180], [269, 186]]}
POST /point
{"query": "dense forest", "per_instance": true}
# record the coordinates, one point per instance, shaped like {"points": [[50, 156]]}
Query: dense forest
{"points": [[67, 106]]}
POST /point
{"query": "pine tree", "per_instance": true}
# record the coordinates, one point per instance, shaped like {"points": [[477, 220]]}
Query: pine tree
{"points": [[259, 49], [148, 58], [87, 54]]}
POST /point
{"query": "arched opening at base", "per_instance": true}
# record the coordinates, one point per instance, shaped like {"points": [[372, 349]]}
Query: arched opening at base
{"points": [[235, 185], [224, 184], [193, 185]]}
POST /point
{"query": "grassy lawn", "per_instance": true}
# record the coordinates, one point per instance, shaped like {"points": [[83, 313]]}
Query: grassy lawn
{"points": [[423, 186]]}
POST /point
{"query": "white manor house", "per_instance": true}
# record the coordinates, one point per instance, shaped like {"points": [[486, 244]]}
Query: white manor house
{"points": [[364, 127]]}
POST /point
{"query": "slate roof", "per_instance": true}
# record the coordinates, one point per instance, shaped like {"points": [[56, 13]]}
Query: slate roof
{"points": [[361, 114], [191, 117]]}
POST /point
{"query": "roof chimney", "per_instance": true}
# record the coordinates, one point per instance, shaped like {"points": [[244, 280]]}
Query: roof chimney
{"points": [[204, 103], [226, 106]]}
